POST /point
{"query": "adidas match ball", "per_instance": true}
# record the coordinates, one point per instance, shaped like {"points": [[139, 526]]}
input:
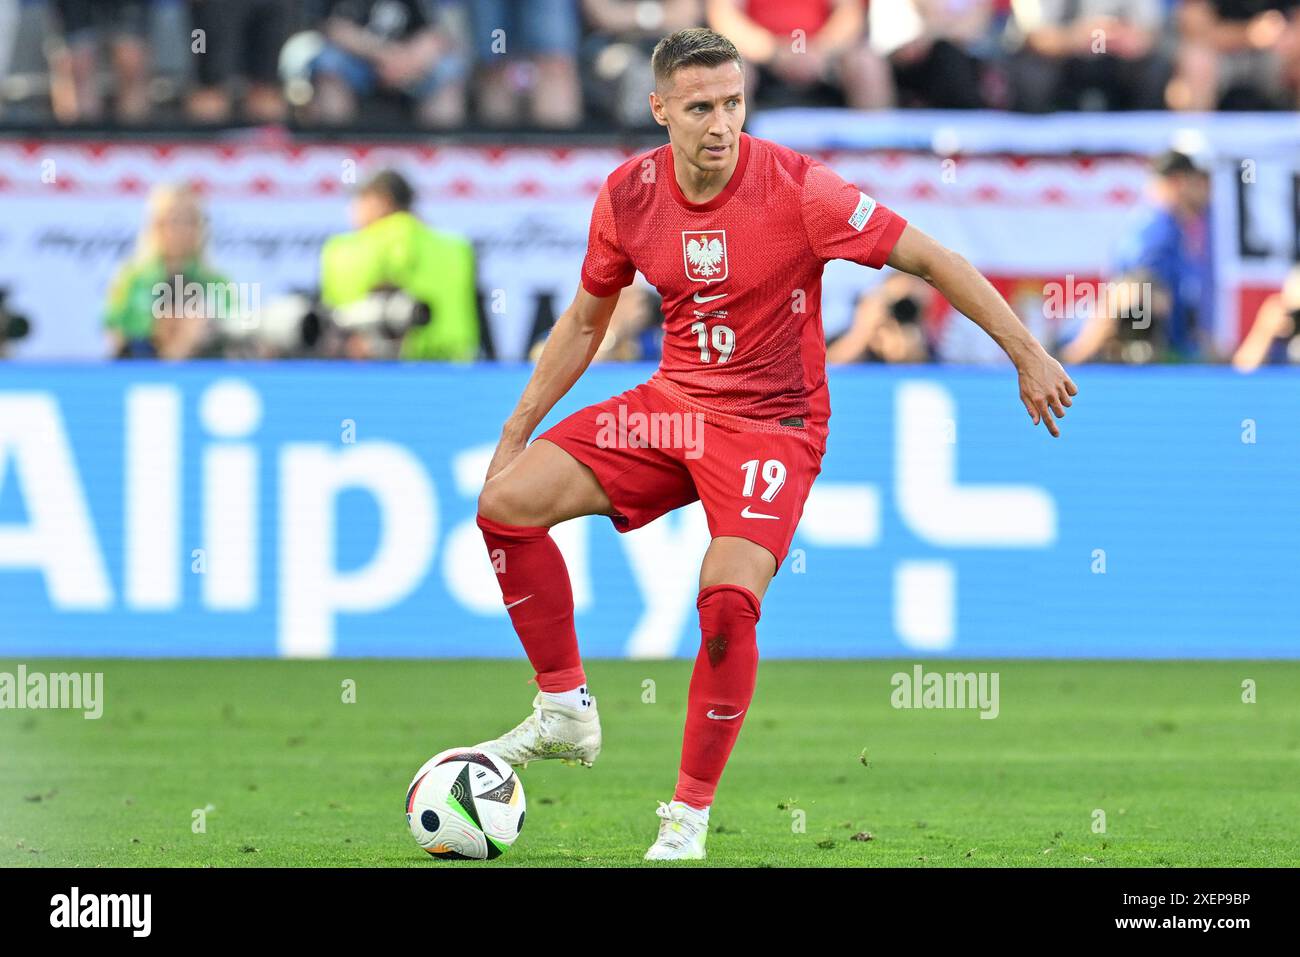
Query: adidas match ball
{"points": [[465, 804]]}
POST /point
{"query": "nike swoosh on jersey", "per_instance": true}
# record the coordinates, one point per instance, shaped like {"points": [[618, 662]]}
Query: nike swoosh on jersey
{"points": [[699, 298], [746, 513], [519, 602], [724, 717]]}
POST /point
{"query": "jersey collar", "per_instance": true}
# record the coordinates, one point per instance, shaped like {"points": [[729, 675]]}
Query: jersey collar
{"points": [[732, 184]]}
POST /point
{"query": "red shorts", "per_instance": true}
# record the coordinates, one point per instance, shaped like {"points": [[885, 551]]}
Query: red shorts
{"points": [[651, 457]]}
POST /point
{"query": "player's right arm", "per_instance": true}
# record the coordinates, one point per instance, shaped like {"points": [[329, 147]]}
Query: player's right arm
{"points": [[577, 334], [575, 338]]}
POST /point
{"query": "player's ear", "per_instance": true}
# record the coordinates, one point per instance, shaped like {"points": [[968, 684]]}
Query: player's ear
{"points": [[657, 109]]}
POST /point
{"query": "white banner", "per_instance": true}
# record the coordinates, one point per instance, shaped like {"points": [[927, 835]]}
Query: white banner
{"points": [[70, 213]]}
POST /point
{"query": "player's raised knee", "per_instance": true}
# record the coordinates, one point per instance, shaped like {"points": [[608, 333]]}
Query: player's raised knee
{"points": [[504, 501]]}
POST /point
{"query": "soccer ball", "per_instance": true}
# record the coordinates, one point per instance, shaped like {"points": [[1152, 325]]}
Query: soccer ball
{"points": [[465, 804]]}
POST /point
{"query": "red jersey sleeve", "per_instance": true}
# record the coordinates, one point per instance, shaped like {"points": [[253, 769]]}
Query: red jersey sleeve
{"points": [[842, 222], [607, 268]]}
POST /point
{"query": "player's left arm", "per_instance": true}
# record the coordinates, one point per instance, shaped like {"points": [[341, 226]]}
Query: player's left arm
{"points": [[1044, 386]]}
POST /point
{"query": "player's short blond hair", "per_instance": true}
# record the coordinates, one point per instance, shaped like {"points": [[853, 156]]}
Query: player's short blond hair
{"points": [[698, 46]]}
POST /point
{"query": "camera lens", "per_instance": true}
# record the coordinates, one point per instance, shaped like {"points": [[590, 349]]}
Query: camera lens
{"points": [[905, 310]]}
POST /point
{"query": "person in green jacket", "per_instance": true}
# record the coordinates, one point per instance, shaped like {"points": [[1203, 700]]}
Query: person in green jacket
{"points": [[160, 299], [393, 248]]}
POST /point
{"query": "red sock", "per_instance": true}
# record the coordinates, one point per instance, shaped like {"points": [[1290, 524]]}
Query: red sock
{"points": [[722, 685], [535, 580]]}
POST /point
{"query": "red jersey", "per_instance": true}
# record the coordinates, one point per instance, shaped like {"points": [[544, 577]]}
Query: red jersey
{"points": [[740, 277]]}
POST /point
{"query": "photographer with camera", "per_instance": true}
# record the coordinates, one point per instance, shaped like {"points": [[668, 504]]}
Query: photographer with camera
{"points": [[13, 325], [396, 287], [1274, 336], [887, 325]]}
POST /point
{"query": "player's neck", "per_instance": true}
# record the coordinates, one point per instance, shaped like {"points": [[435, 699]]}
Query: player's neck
{"points": [[697, 185]]}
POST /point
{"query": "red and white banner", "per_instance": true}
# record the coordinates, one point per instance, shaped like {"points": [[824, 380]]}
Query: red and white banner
{"points": [[70, 213]]}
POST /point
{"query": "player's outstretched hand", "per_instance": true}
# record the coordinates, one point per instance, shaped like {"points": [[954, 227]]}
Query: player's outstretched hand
{"points": [[1045, 389]]}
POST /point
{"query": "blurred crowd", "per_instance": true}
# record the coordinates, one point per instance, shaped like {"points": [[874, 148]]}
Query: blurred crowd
{"points": [[562, 64]]}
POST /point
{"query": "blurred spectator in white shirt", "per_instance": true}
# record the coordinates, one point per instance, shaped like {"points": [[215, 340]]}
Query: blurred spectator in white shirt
{"points": [[934, 48], [1088, 54]]}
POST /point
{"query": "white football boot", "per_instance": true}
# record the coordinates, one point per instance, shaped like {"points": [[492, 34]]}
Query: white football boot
{"points": [[682, 831], [551, 731]]}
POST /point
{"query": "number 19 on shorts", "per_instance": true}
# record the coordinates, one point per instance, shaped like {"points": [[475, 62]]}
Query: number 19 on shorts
{"points": [[772, 472]]}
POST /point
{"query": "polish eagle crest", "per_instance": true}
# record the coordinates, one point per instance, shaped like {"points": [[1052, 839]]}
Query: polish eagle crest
{"points": [[705, 255]]}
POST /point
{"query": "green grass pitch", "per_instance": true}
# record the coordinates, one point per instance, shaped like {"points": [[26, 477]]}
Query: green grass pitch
{"points": [[1185, 772]]}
